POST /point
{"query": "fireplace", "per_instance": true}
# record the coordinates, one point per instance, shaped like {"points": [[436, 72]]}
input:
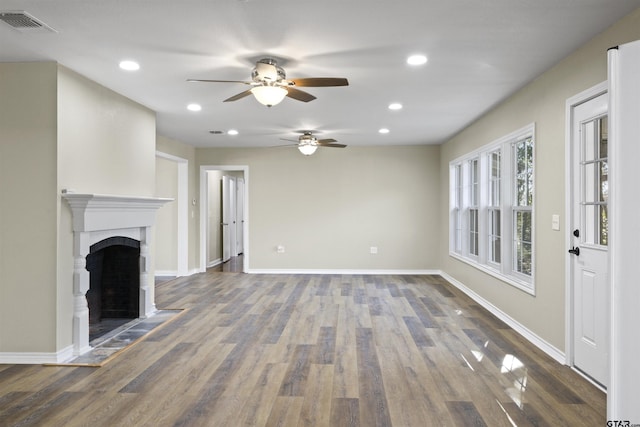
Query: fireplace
{"points": [[122, 223]]}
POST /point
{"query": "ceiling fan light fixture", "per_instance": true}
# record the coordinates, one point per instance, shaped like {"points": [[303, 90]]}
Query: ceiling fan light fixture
{"points": [[417, 60], [307, 148], [129, 65], [269, 95]]}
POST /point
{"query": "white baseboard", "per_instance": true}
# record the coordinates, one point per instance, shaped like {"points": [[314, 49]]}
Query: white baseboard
{"points": [[543, 345], [36, 358], [214, 263], [166, 273], [174, 273], [363, 272]]}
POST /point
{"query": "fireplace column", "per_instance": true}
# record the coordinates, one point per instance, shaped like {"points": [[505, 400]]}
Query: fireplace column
{"points": [[147, 297], [81, 283]]}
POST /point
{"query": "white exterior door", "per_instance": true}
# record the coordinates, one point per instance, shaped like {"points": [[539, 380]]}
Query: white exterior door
{"points": [[590, 238]]}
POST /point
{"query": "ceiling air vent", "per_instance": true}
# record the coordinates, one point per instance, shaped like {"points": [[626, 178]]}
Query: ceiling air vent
{"points": [[24, 22]]}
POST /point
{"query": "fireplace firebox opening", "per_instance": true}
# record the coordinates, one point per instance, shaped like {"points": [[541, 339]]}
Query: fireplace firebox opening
{"points": [[114, 291]]}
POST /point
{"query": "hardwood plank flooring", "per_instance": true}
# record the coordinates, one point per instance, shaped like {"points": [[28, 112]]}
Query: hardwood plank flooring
{"points": [[311, 350]]}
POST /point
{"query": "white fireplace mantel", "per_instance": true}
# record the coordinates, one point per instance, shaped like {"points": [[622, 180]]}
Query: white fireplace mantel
{"points": [[97, 217], [93, 212]]}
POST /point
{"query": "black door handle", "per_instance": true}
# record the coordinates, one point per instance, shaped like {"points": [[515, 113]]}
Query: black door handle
{"points": [[575, 251]]}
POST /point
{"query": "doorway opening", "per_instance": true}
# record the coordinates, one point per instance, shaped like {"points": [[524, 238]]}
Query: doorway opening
{"points": [[224, 212]]}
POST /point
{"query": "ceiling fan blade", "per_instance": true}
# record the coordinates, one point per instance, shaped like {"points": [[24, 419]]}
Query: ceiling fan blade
{"points": [[238, 96], [292, 140], [219, 81], [320, 81], [325, 141], [299, 95], [332, 145]]}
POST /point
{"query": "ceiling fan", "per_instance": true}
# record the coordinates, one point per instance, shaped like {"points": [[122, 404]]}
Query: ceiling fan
{"points": [[270, 84], [308, 144]]}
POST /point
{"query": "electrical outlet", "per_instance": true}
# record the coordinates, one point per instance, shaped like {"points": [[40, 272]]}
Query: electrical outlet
{"points": [[373, 250]]}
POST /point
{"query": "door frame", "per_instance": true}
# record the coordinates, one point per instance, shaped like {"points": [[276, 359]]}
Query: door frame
{"points": [[204, 203], [240, 215], [571, 104]]}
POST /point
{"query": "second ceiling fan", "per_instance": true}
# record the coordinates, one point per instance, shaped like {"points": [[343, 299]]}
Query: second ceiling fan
{"points": [[270, 84], [308, 144]]}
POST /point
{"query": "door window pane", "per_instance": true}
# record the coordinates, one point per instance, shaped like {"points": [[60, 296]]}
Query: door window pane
{"points": [[595, 182]]}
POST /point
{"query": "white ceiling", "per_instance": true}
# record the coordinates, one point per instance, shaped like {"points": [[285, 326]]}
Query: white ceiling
{"points": [[480, 51]]}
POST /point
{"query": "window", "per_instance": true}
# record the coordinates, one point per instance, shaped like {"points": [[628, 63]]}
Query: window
{"points": [[492, 203], [522, 217]]}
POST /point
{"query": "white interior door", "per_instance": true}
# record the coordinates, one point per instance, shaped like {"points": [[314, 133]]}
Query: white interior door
{"points": [[590, 238], [240, 215], [226, 218]]}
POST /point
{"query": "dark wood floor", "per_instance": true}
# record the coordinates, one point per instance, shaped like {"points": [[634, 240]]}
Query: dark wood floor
{"points": [[302, 350]]}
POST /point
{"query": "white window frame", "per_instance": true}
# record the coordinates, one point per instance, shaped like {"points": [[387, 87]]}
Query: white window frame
{"points": [[460, 204], [494, 205], [456, 209], [473, 208]]}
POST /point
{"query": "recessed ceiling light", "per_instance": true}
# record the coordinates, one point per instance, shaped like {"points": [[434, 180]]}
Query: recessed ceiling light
{"points": [[395, 106], [384, 130], [232, 132], [129, 65], [417, 60], [194, 107]]}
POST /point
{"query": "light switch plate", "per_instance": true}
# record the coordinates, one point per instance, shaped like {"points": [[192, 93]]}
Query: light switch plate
{"points": [[555, 222]]}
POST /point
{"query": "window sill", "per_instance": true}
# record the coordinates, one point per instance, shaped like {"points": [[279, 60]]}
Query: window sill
{"points": [[510, 280]]}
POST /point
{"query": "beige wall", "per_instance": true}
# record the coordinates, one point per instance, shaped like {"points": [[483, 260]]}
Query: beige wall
{"points": [[28, 200], [542, 102], [328, 209], [166, 228]]}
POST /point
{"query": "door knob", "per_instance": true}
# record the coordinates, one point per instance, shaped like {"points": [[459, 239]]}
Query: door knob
{"points": [[575, 251]]}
